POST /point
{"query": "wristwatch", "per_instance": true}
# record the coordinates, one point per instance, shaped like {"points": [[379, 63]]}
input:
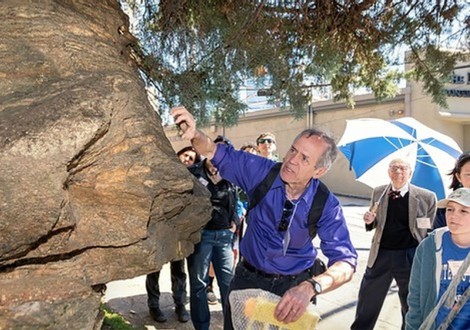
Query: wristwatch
{"points": [[316, 286]]}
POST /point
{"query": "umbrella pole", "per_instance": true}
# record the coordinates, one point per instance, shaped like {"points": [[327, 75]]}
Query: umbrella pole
{"points": [[374, 207]]}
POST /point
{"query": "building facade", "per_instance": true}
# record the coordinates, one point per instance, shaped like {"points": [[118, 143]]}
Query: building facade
{"points": [[331, 117]]}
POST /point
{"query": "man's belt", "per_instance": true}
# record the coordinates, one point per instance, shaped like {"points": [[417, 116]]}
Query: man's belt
{"points": [[253, 269]]}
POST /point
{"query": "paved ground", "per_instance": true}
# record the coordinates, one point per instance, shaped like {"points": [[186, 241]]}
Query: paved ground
{"points": [[336, 308]]}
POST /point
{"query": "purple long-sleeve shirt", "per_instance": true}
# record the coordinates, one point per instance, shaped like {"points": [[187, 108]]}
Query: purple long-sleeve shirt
{"points": [[262, 244]]}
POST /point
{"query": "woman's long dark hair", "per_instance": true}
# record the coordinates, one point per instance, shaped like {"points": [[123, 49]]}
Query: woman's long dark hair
{"points": [[461, 161]]}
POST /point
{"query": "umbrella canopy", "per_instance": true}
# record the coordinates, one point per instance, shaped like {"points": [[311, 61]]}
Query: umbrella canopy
{"points": [[370, 144]]}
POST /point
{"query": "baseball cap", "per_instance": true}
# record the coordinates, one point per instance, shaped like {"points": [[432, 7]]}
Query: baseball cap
{"points": [[461, 196]]}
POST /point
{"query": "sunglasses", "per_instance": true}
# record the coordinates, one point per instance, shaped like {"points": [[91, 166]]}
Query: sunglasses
{"points": [[260, 141], [286, 215]]}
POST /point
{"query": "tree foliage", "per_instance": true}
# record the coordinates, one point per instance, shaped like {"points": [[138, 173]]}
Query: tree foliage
{"points": [[199, 52]]}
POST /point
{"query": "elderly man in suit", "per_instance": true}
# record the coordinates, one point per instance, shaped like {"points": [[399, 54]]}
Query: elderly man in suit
{"points": [[401, 214]]}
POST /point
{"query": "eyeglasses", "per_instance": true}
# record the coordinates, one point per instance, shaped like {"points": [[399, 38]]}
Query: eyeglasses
{"points": [[395, 168], [261, 141], [286, 215]]}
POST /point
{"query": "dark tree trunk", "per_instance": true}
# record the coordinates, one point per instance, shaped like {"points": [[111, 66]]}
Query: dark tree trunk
{"points": [[90, 188]]}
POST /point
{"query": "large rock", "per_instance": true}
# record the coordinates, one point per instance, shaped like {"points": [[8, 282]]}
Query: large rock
{"points": [[90, 188]]}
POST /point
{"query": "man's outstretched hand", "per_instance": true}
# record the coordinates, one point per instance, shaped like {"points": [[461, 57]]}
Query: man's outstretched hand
{"points": [[200, 141], [185, 122]]}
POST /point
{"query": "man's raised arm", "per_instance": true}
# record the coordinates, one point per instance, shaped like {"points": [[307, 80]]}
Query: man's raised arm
{"points": [[200, 141]]}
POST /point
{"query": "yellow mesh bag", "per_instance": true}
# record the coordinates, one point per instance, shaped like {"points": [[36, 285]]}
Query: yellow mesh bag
{"points": [[253, 309]]}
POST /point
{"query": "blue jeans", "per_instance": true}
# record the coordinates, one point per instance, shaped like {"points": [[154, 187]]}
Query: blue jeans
{"points": [[216, 247]]}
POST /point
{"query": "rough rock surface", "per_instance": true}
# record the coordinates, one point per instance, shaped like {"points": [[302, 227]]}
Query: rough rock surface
{"points": [[90, 188]]}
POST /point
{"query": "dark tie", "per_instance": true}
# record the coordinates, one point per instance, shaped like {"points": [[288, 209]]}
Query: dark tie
{"points": [[394, 194]]}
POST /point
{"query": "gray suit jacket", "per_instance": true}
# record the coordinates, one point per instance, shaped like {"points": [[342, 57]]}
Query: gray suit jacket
{"points": [[422, 204]]}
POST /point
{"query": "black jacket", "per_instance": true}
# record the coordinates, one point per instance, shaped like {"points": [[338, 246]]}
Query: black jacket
{"points": [[223, 198]]}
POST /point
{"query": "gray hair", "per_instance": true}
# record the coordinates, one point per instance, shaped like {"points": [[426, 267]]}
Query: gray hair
{"points": [[331, 151], [400, 160]]}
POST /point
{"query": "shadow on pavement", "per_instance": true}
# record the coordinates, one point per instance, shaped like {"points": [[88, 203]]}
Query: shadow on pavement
{"points": [[134, 310]]}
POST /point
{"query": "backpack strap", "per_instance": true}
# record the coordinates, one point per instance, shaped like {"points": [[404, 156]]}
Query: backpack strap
{"points": [[316, 210], [262, 189]]}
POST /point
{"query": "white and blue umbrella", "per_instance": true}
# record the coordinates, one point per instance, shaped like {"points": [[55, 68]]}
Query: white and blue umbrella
{"points": [[370, 144]]}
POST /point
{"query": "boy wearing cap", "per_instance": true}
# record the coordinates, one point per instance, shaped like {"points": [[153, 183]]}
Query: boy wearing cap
{"points": [[437, 260]]}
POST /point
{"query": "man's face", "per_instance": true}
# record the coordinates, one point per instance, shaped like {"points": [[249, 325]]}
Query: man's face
{"points": [[399, 173], [188, 157], [458, 219], [266, 145], [300, 161]]}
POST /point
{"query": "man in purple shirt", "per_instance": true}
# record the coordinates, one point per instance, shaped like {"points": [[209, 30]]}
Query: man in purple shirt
{"points": [[277, 252]]}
